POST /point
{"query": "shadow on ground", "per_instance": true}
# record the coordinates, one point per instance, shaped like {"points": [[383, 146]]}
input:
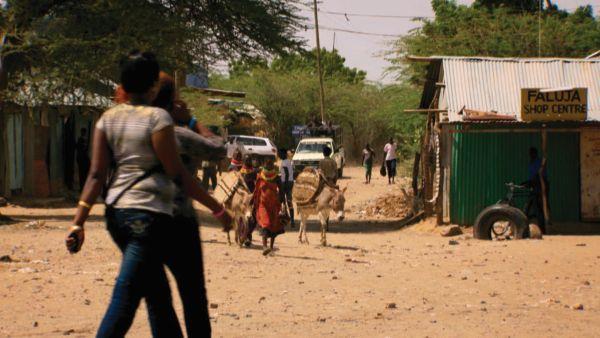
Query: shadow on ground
{"points": [[347, 226], [45, 203], [47, 218], [574, 229], [5, 220]]}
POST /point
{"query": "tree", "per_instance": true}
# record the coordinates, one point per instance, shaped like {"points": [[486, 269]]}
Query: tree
{"points": [[286, 91], [306, 61], [60, 46], [522, 5], [479, 31]]}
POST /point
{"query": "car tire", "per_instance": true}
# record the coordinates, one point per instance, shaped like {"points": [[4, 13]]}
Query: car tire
{"points": [[482, 229]]}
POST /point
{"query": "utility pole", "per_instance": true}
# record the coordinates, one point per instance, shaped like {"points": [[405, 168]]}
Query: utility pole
{"points": [[333, 47], [540, 29], [322, 91]]}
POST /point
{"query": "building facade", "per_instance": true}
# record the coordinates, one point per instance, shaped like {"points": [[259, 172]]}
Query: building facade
{"points": [[484, 116]]}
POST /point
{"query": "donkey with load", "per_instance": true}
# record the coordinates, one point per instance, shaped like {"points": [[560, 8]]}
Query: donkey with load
{"points": [[314, 195]]}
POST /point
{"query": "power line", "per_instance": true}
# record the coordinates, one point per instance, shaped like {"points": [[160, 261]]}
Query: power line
{"points": [[387, 16], [377, 15], [334, 29]]}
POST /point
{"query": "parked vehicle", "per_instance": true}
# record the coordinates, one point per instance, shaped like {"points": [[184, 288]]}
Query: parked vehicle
{"points": [[310, 151], [504, 219], [258, 147]]}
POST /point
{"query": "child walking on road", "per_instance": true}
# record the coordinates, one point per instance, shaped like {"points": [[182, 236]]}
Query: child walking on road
{"points": [[266, 202], [367, 160]]}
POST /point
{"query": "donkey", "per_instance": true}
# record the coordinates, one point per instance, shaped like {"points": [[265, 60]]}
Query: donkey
{"points": [[330, 199], [239, 204]]}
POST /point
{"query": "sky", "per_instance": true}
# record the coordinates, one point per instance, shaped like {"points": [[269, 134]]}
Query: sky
{"points": [[364, 51]]}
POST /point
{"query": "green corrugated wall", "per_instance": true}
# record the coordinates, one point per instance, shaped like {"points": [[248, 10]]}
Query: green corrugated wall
{"points": [[483, 162]]}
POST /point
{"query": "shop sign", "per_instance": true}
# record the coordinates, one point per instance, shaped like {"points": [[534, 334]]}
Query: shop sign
{"points": [[554, 105]]}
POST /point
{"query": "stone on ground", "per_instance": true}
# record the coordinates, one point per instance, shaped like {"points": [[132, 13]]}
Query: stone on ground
{"points": [[450, 231], [534, 231]]}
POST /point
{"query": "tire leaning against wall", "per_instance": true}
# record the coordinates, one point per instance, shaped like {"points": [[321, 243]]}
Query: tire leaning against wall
{"points": [[486, 219]]}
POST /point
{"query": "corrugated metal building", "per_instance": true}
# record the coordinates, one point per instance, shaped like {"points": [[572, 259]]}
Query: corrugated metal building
{"points": [[37, 146], [474, 106]]}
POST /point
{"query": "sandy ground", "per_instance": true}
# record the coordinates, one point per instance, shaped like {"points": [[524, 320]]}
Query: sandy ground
{"points": [[374, 280]]}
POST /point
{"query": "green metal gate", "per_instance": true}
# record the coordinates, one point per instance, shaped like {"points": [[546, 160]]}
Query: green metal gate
{"points": [[482, 162]]}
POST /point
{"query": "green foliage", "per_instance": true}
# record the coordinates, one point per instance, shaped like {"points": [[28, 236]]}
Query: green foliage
{"points": [[63, 45], [207, 114], [285, 99], [303, 61], [407, 128], [522, 5], [332, 63], [287, 92], [497, 31]]}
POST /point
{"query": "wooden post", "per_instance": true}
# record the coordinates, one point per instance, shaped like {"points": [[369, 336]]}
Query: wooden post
{"points": [[545, 207], [4, 179], [320, 70], [439, 208], [4, 190], [415, 174], [425, 159], [415, 183], [179, 79], [30, 135]]}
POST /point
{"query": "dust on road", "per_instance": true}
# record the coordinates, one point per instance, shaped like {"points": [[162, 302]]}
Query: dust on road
{"points": [[373, 280]]}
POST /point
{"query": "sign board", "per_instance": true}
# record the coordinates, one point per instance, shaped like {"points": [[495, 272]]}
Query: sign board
{"points": [[301, 130], [590, 175], [559, 105]]}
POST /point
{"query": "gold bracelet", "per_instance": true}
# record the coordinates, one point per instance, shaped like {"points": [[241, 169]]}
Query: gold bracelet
{"points": [[85, 205]]}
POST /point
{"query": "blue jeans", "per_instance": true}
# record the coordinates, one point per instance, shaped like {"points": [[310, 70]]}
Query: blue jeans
{"points": [[138, 233], [184, 258]]}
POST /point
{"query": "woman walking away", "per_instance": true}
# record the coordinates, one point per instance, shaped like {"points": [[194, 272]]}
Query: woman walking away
{"points": [[390, 160], [138, 139], [266, 203], [367, 160], [184, 251]]}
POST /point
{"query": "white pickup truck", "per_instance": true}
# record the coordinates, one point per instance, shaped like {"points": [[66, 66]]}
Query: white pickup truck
{"points": [[310, 151]]}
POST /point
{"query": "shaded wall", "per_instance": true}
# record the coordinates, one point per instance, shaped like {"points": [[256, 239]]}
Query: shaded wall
{"points": [[482, 162], [37, 148]]}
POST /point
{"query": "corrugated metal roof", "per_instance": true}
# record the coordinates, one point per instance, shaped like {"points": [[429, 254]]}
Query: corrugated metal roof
{"points": [[494, 84], [35, 96]]}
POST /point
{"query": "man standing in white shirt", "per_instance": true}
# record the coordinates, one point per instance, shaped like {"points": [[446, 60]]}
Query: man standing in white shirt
{"points": [[286, 172], [390, 160]]}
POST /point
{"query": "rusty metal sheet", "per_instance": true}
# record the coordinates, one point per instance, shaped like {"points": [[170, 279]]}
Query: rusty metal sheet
{"points": [[590, 175]]}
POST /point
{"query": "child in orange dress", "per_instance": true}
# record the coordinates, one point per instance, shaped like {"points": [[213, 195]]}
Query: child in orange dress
{"points": [[267, 204]]}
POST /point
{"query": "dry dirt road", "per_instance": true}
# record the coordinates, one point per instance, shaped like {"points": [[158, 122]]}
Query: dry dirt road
{"points": [[374, 280]]}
